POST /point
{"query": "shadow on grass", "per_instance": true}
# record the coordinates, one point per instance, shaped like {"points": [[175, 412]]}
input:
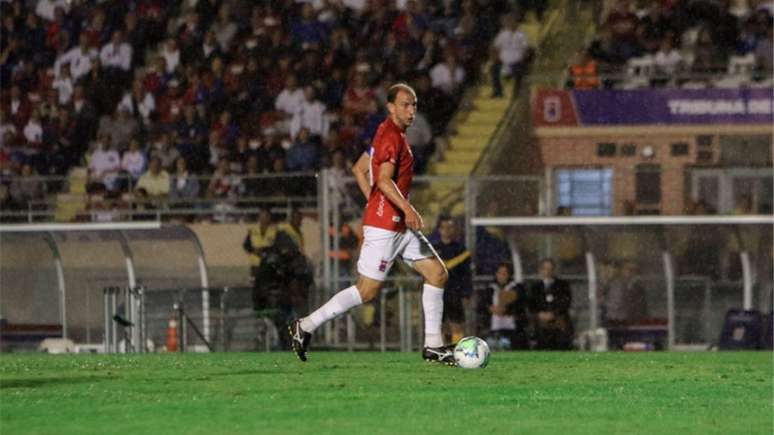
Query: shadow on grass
{"points": [[45, 382]]}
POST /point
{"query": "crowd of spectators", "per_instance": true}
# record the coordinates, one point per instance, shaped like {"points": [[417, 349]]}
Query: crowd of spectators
{"points": [[137, 90], [692, 38]]}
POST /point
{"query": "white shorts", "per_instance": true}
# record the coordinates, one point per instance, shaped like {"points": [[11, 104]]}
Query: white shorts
{"points": [[381, 247]]}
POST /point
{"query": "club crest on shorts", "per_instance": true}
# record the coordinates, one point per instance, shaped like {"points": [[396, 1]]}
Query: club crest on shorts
{"points": [[383, 266]]}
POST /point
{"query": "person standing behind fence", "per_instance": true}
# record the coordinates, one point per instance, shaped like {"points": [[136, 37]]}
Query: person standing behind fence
{"points": [[259, 238], [625, 300], [549, 304], [502, 309], [460, 285]]}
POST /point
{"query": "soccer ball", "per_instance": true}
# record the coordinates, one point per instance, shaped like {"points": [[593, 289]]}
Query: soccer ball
{"points": [[471, 353]]}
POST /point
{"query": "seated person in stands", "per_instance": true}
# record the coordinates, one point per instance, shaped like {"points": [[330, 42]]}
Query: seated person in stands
{"points": [[625, 301], [503, 309], [549, 305], [583, 73], [155, 180]]}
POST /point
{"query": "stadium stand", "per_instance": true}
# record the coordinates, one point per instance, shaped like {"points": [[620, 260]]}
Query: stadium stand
{"points": [[205, 78], [690, 44]]}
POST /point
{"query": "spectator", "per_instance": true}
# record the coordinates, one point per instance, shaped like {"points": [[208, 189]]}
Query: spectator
{"points": [[502, 309], [358, 97], [217, 149], [625, 300], [45, 8], [311, 116], [116, 56], [622, 24], [81, 59], [583, 73], [133, 160], [155, 181], [18, 108], [307, 31], [668, 60], [7, 202], [8, 131], [33, 132], [224, 28], [163, 147], [120, 127], [104, 163], [27, 187], [448, 75], [64, 85], [291, 98], [459, 288], [223, 183], [139, 103], [512, 52], [171, 55], [183, 187], [420, 136], [550, 300], [304, 154]]}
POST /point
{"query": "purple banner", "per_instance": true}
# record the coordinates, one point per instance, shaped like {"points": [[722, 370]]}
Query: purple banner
{"points": [[674, 106]]}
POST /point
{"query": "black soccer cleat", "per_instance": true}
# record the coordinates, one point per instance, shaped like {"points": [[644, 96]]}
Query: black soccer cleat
{"points": [[442, 354], [299, 339]]}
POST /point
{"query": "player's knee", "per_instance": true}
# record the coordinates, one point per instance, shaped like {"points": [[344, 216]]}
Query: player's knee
{"points": [[438, 276], [367, 291]]}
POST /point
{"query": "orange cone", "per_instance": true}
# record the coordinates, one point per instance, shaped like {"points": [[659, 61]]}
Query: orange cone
{"points": [[172, 334]]}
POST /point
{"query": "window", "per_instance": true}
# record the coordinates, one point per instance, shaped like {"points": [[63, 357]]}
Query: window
{"points": [[585, 192], [606, 149]]}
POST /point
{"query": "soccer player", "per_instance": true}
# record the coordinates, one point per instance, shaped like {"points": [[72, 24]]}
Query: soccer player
{"points": [[391, 229]]}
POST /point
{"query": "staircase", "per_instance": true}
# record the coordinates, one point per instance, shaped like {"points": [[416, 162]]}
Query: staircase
{"points": [[473, 127]]}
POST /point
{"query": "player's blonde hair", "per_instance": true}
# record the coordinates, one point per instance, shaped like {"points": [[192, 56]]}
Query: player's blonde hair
{"points": [[395, 89]]}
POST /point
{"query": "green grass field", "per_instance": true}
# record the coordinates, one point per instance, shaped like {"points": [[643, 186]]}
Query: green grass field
{"points": [[337, 393]]}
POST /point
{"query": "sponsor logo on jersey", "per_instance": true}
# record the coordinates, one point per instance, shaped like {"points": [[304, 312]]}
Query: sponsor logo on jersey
{"points": [[383, 266]]}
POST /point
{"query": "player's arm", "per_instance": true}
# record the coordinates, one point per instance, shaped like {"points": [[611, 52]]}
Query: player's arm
{"points": [[386, 184], [360, 171]]}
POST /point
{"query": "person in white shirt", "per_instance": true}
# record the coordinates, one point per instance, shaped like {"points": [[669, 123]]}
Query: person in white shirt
{"points": [[133, 161], [290, 99], [33, 131], [447, 75], [116, 53], [81, 59], [512, 49], [104, 163], [171, 54], [138, 101], [667, 58], [64, 85], [311, 116], [45, 8]]}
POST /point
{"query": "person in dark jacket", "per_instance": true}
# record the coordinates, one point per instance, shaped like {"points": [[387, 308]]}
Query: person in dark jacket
{"points": [[549, 305], [459, 288], [502, 310]]}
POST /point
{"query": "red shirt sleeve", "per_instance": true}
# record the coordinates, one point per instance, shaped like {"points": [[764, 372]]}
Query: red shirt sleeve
{"points": [[386, 149]]}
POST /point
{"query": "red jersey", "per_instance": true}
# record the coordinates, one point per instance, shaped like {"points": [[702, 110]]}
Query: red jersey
{"points": [[389, 145]]}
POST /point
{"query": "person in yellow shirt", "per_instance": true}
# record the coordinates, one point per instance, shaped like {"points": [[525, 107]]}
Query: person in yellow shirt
{"points": [[155, 180], [293, 228], [259, 238]]}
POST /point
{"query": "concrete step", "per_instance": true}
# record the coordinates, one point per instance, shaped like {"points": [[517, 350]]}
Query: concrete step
{"points": [[467, 144], [462, 155]]}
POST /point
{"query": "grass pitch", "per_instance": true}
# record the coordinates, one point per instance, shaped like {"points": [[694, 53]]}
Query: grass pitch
{"points": [[338, 393]]}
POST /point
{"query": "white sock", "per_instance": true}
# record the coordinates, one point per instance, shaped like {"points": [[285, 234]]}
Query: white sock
{"points": [[339, 304], [432, 303]]}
